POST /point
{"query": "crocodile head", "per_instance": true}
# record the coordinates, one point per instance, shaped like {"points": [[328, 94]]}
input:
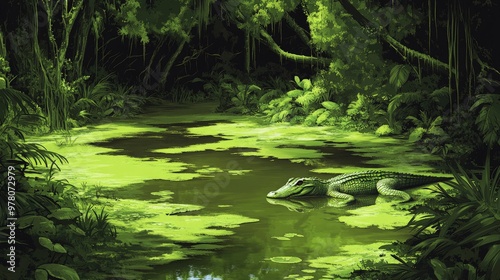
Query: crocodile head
{"points": [[300, 187]]}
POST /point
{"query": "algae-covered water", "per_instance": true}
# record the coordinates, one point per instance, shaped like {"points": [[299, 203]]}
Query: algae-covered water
{"points": [[186, 189]]}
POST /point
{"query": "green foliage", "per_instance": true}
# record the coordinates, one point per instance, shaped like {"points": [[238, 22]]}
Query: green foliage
{"points": [[303, 104], [324, 116], [234, 96], [357, 62], [404, 98], [441, 271], [57, 271], [96, 224], [488, 118], [181, 94], [292, 104], [253, 14], [15, 112], [392, 127], [4, 64], [463, 223], [123, 102], [67, 139], [244, 98], [399, 75], [362, 111], [403, 105], [140, 18], [103, 99], [132, 27], [46, 210], [425, 125], [384, 130]]}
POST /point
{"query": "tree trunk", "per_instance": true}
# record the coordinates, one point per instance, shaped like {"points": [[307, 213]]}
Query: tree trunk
{"points": [[55, 97], [82, 36], [247, 52]]}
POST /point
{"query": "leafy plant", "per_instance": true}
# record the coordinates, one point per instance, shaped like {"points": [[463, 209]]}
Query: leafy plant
{"points": [[55, 270], [96, 224], [180, 94], [488, 118], [67, 139], [363, 111], [425, 125], [91, 100], [399, 75], [422, 99], [122, 102], [457, 232], [293, 103], [244, 98], [325, 115], [274, 88]]}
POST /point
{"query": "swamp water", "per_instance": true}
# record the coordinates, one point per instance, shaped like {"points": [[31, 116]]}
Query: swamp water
{"points": [[186, 189]]}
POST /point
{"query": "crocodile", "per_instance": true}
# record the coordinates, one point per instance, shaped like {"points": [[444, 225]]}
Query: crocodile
{"points": [[347, 185]]}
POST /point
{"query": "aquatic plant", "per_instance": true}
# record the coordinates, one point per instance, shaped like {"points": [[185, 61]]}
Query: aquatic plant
{"points": [[96, 224]]}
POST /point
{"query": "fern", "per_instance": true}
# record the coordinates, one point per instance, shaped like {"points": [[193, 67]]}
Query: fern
{"points": [[357, 106], [283, 114], [311, 119], [440, 96], [285, 101], [275, 117], [306, 99]]}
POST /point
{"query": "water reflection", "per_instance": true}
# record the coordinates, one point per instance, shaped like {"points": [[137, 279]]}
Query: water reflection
{"points": [[308, 204]]}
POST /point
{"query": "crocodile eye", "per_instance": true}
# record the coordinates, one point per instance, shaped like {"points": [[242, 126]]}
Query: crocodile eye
{"points": [[299, 182]]}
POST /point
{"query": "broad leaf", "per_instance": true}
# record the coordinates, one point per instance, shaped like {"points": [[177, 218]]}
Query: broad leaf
{"points": [[57, 271], [399, 75], [330, 105], [416, 134]]}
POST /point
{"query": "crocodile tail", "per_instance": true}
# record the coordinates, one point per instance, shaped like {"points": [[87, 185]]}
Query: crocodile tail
{"points": [[425, 180], [407, 180]]}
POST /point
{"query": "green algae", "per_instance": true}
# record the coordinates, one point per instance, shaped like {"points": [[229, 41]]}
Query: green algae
{"points": [[344, 263], [281, 238], [285, 259], [382, 215], [292, 234], [287, 236], [298, 277]]}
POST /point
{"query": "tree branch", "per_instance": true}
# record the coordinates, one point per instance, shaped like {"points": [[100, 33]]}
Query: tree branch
{"points": [[299, 30], [296, 57], [364, 22]]}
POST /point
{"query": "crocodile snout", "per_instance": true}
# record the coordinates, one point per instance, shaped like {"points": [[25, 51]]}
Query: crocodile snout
{"points": [[271, 194]]}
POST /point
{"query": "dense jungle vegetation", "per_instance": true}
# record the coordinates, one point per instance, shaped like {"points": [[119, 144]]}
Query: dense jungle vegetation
{"points": [[422, 70]]}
